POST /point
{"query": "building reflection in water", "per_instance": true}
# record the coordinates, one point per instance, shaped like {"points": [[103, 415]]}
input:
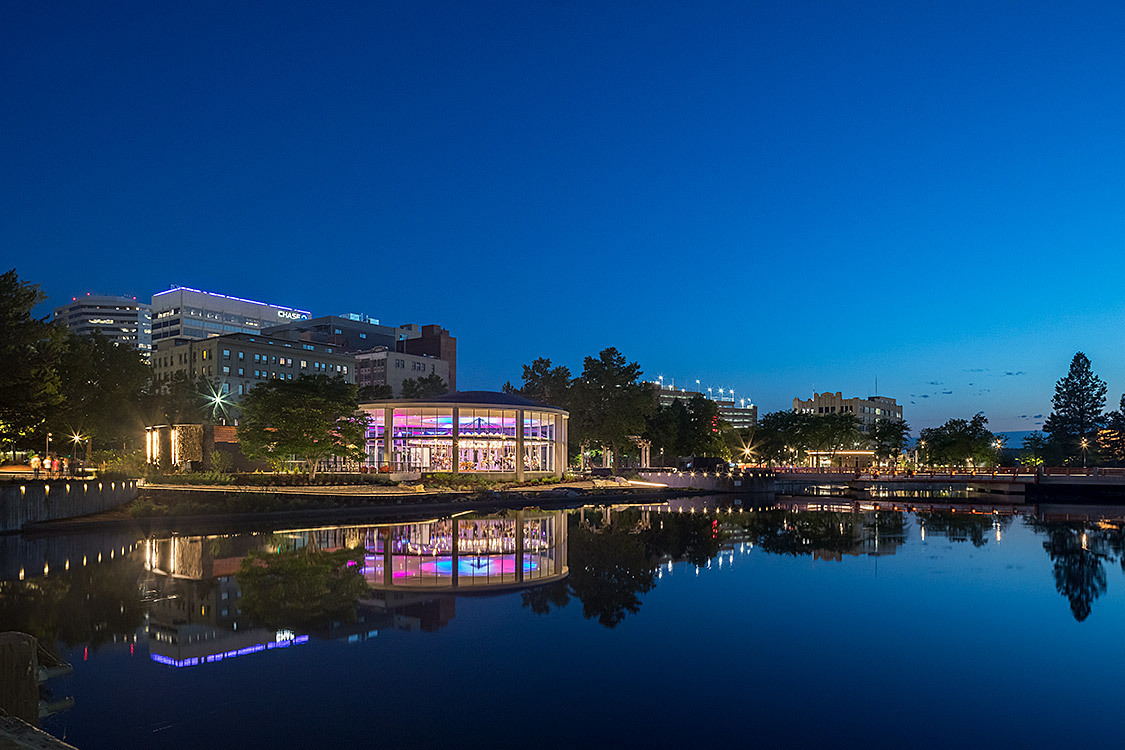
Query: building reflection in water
{"points": [[469, 553], [195, 615]]}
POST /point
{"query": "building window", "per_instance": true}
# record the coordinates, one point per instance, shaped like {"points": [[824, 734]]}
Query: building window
{"points": [[226, 353], [226, 369], [241, 372], [241, 356]]}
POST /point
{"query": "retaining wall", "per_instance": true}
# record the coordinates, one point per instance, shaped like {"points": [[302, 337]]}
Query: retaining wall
{"points": [[709, 481], [25, 502]]}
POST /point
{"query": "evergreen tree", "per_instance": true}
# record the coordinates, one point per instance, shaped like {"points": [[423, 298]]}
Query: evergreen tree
{"points": [[1077, 408]]}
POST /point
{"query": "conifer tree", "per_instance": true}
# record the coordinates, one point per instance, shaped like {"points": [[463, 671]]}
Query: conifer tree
{"points": [[1076, 413]]}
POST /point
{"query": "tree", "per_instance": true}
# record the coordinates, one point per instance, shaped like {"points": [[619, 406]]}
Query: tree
{"points": [[178, 400], [428, 387], [1077, 408], [377, 392], [691, 428], [103, 386], [609, 404], [958, 441], [1111, 440], [546, 384], [312, 417], [1037, 450], [781, 437], [29, 350], [888, 438]]}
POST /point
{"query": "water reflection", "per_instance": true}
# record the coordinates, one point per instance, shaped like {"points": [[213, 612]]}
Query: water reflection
{"points": [[222, 596]]}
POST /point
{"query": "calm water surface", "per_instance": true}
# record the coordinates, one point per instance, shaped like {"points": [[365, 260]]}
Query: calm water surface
{"points": [[662, 626]]}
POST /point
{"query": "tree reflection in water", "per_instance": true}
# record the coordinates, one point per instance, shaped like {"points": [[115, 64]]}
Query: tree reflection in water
{"points": [[303, 588], [1078, 555], [613, 558]]}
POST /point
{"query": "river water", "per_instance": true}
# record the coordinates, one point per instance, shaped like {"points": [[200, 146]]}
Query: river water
{"points": [[701, 623]]}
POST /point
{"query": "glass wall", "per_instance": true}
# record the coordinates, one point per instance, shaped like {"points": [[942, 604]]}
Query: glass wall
{"points": [[538, 441], [487, 439], [488, 551], [423, 439]]}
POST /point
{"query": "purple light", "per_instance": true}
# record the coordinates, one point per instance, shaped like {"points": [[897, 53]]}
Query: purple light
{"points": [[212, 658], [225, 296], [470, 567]]}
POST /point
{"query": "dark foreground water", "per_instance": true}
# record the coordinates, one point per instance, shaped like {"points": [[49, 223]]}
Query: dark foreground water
{"points": [[657, 627]]}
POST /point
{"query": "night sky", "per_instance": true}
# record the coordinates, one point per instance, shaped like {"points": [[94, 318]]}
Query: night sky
{"points": [[776, 197]]}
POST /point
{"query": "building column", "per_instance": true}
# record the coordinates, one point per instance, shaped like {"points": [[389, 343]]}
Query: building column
{"points": [[519, 445], [388, 558], [388, 430], [561, 442], [454, 549], [519, 546], [456, 452]]}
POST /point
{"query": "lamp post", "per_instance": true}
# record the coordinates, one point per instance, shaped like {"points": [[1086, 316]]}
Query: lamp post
{"points": [[999, 448], [1085, 444], [47, 450]]}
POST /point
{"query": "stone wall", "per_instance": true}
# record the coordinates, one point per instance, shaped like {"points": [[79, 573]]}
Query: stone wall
{"points": [[25, 502]]}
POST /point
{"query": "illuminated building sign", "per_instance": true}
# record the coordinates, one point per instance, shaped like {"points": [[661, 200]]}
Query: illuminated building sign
{"points": [[291, 315]]}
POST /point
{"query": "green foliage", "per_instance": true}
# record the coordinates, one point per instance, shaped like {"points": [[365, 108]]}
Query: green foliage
{"points": [[1076, 409], [687, 429], [304, 589], [193, 478], [376, 392], [102, 385], [958, 442], [312, 417], [888, 438], [1111, 440], [1038, 451], [30, 349], [429, 386], [545, 384], [178, 400], [785, 436], [608, 404]]}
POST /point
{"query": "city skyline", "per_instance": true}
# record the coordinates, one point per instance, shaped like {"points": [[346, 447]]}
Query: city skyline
{"points": [[785, 199]]}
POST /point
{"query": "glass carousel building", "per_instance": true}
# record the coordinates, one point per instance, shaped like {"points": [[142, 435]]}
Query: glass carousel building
{"points": [[471, 432]]}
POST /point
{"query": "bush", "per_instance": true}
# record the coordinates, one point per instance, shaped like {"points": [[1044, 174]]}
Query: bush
{"points": [[193, 477]]}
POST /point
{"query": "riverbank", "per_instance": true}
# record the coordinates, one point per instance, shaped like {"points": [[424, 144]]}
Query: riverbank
{"points": [[219, 509]]}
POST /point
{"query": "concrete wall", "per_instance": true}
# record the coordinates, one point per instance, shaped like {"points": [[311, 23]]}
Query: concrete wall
{"points": [[22, 503], [710, 481]]}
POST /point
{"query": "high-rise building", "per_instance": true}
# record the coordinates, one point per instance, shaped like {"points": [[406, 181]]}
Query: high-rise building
{"points": [[122, 320], [236, 362], [181, 312], [741, 414], [358, 333], [867, 410]]}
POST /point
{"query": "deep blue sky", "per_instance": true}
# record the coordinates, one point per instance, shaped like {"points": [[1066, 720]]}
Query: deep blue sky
{"points": [[775, 197]]}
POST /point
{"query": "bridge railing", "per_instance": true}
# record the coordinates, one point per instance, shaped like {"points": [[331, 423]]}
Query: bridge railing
{"points": [[1081, 471]]}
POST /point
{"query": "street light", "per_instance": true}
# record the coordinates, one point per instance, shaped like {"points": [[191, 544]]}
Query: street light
{"points": [[47, 450], [1085, 444]]}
